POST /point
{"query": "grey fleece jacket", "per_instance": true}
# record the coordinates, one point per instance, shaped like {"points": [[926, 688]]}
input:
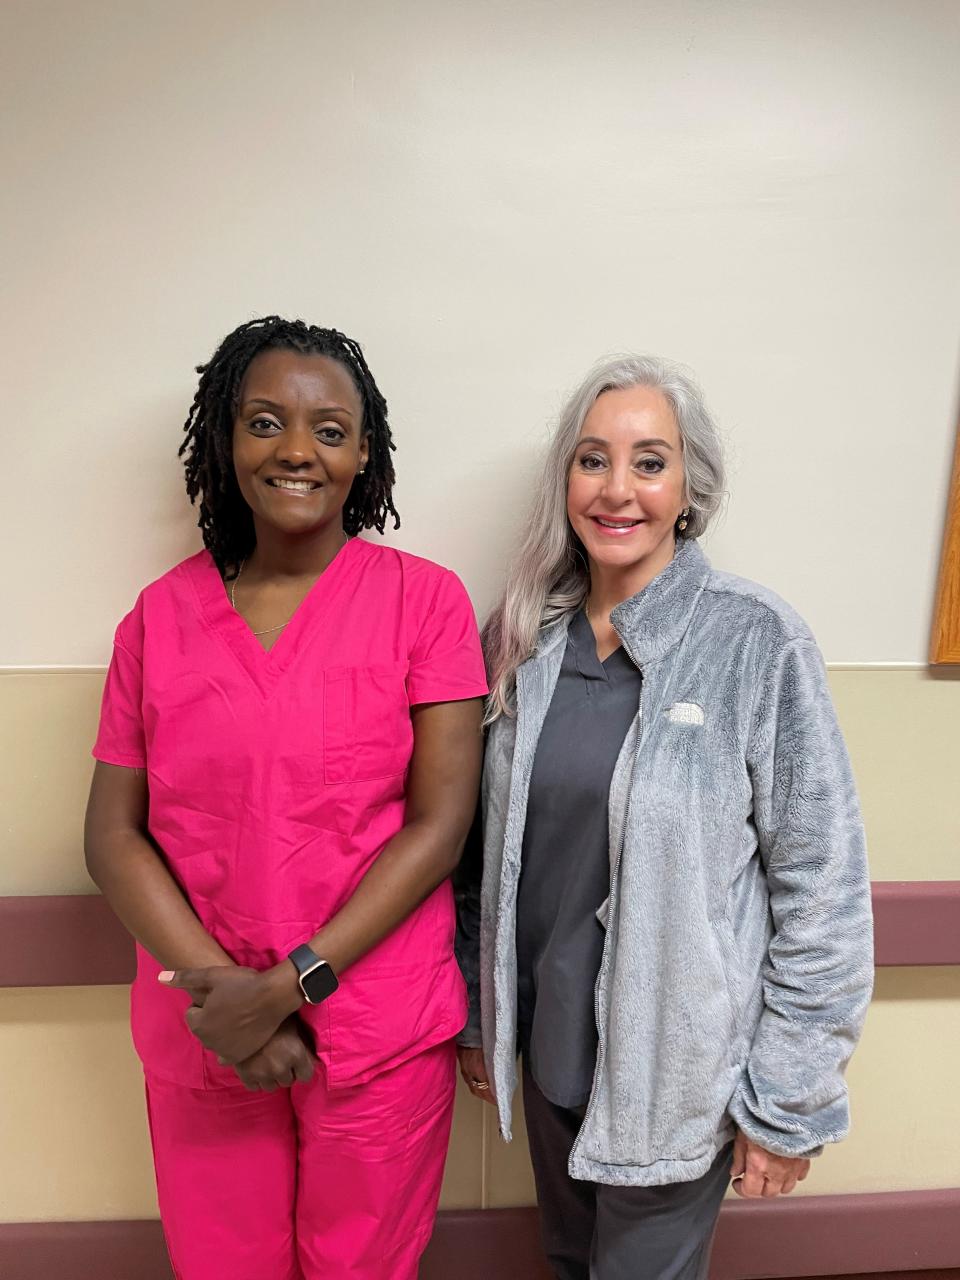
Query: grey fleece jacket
{"points": [[738, 960]]}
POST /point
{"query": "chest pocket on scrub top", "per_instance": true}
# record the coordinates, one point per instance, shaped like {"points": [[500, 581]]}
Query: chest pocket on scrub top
{"points": [[367, 733]]}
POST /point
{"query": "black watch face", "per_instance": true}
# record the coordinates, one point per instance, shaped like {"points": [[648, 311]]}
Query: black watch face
{"points": [[319, 984]]}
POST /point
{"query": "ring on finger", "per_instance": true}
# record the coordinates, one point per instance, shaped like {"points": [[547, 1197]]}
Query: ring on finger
{"points": [[480, 1084]]}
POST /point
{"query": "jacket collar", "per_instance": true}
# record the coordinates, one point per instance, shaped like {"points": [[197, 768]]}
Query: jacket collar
{"points": [[656, 618]]}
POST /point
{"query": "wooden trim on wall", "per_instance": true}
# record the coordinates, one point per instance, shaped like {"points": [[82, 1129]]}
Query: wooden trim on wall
{"points": [[945, 636], [76, 940], [908, 1233]]}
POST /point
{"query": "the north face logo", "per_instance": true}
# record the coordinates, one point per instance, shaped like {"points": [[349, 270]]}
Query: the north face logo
{"points": [[685, 713]]}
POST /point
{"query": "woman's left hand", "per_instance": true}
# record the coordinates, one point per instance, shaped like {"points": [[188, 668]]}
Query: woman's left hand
{"points": [[236, 1010], [756, 1172], [474, 1072]]}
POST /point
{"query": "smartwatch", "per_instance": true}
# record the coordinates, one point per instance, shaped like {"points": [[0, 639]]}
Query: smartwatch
{"points": [[317, 980]]}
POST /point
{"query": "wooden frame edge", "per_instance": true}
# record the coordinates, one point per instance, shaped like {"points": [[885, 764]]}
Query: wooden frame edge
{"points": [[945, 633]]}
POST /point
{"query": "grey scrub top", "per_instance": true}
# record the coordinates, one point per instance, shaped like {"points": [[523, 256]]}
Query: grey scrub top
{"points": [[565, 867]]}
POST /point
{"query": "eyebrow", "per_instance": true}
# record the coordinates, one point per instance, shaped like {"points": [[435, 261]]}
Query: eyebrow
{"points": [[278, 408], [637, 444]]}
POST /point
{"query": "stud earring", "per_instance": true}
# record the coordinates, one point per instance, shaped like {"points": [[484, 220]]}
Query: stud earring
{"points": [[682, 522]]}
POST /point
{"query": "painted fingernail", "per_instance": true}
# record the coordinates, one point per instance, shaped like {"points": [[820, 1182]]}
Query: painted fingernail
{"points": [[165, 976]]}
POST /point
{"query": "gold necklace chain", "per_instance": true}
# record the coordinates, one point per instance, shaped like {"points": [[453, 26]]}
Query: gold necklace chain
{"points": [[268, 631], [233, 604]]}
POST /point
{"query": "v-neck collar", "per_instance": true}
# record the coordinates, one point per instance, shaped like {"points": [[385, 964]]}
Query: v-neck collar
{"points": [[266, 666], [583, 646]]}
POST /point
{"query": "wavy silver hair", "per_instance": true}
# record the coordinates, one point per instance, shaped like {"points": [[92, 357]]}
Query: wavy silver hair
{"points": [[549, 576]]}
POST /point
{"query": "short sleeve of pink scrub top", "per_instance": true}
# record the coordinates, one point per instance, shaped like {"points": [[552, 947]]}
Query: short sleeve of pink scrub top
{"points": [[276, 779]]}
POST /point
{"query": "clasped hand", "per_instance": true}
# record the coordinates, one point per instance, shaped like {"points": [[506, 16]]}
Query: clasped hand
{"points": [[245, 1018]]}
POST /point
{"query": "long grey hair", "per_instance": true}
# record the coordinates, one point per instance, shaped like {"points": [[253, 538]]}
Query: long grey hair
{"points": [[549, 576]]}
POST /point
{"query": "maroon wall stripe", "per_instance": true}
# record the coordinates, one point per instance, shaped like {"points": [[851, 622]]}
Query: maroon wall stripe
{"points": [[836, 1235], [917, 921], [83, 1251], [77, 941], [890, 1236], [62, 942]]}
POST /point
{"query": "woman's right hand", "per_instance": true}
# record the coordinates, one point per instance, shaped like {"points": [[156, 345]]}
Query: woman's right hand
{"points": [[283, 1060], [474, 1071]]}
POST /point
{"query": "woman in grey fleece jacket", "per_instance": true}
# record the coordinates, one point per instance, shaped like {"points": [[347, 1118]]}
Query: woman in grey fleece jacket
{"points": [[732, 965]]}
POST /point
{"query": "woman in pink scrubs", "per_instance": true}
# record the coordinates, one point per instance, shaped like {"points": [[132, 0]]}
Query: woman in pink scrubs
{"points": [[288, 759]]}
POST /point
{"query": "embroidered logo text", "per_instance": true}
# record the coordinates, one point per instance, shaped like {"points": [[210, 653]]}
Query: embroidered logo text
{"points": [[685, 713]]}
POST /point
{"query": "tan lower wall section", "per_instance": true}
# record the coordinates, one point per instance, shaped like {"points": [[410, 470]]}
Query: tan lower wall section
{"points": [[71, 1109], [75, 1140], [48, 721], [901, 730], [900, 725], [904, 1100], [71, 1114]]}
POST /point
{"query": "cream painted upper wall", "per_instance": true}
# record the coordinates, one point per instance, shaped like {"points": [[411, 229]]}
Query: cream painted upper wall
{"points": [[488, 196]]}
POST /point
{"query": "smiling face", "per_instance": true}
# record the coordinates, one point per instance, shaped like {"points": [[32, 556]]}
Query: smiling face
{"points": [[626, 484], [298, 440]]}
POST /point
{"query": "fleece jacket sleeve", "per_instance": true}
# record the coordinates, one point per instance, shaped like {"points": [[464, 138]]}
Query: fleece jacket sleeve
{"points": [[818, 974]]}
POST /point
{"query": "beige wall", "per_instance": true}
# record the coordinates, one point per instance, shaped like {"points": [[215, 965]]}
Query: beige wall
{"points": [[488, 197], [71, 1110], [75, 1136], [900, 726]]}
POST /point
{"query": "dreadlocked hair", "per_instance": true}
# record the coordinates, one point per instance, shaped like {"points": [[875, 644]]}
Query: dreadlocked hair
{"points": [[225, 519]]}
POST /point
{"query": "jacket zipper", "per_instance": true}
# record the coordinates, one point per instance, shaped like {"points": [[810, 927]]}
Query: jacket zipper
{"points": [[601, 1047]]}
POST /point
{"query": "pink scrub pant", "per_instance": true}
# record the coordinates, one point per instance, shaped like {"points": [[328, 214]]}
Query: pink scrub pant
{"points": [[306, 1182]]}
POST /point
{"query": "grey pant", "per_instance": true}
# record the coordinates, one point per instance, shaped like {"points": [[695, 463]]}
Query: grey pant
{"points": [[596, 1232]]}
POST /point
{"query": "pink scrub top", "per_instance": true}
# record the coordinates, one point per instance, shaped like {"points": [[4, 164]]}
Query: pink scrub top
{"points": [[276, 779]]}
